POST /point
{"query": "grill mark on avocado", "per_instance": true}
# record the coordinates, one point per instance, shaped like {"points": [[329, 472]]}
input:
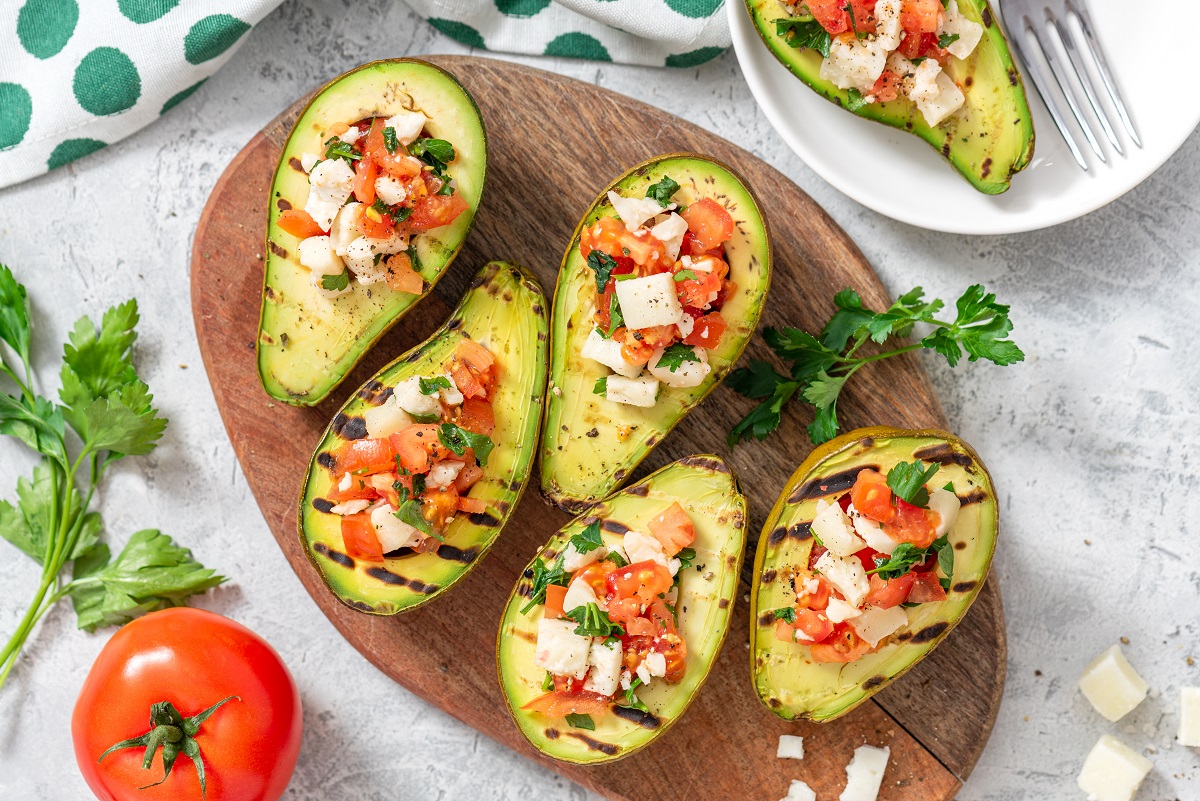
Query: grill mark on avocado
{"points": [[637, 717], [551, 734], [986, 17], [706, 463], [768, 576], [270, 293], [1012, 81], [619, 476], [930, 633], [536, 309], [873, 682], [375, 393], [395, 579], [976, 495], [326, 460], [960, 546], [641, 490], [527, 636], [986, 169], [482, 519], [596, 745], [946, 148], [614, 527], [349, 427], [361, 606], [595, 432], [965, 586], [723, 603], [828, 485], [799, 532], [323, 505], [295, 164], [766, 619], [277, 250], [525, 590], [514, 486], [283, 204], [414, 357], [454, 324], [942, 453], [774, 703], [452, 554], [333, 556]]}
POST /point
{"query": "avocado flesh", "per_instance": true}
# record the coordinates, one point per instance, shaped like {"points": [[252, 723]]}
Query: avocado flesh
{"points": [[787, 681], [504, 310], [583, 456], [989, 140], [707, 489], [308, 343]]}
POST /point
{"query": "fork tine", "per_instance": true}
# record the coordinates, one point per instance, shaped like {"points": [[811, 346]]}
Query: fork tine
{"points": [[1060, 75], [1110, 83], [1041, 82], [1085, 80]]}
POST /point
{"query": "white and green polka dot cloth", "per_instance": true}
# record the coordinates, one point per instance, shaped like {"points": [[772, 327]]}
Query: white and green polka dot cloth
{"points": [[77, 75]]}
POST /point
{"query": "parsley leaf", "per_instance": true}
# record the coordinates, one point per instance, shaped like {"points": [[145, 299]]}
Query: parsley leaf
{"points": [[615, 318], [603, 265], [430, 386], [14, 314], [335, 148], [616, 559], [588, 540], [907, 480], [389, 139], [686, 557], [601, 386], [336, 283], [663, 191], [458, 439], [399, 215], [580, 722], [631, 699], [900, 562], [433, 151], [947, 39], [410, 513], [548, 682], [593, 621], [685, 275], [787, 614], [674, 356], [855, 99], [804, 32], [542, 578]]}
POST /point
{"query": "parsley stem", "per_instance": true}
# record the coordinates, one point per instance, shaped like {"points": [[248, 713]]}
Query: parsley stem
{"points": [[896, 352]]}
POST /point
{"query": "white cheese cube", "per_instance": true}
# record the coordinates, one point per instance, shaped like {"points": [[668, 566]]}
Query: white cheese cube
{"points": [[452, 396], [386, 419], [580, 593], [643, 673], [685, 325], [634, 211], [608, 353], [687, 374], [442, 474], [936, 96], [393, 244], [1189, 717], [407, 124], [1112, 771], [308, 161], [409, 398], [854, 64], [361, 261], [649, 301], [832, 527], [574, 560], [317, 255], [393, 533], [344, 229], [390, 190], [846, 575], [839, 611], [656, 664], [871, 532], [924, 81], [876, 624], [560, 650], [350, 135], [351, 507], [670, 232], [1112, 685], [799, 791], [330, 184], [864, 774], [632, 391], [644, 548], [887, 24], [790, 747], [605, 674], [947, 506], [954, 23]]}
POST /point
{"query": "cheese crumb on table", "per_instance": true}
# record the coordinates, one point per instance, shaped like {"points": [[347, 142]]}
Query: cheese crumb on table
{"points": [[1189, 717], [864, 774], [1113, 771], [1112, 685], [790, 747], [799, 791]]}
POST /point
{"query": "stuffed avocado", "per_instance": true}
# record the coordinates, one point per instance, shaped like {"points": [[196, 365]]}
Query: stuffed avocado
{"points": [[616, 622], [874, 551], [940, 70], [657, 297], [376, 189], [418, 472]]}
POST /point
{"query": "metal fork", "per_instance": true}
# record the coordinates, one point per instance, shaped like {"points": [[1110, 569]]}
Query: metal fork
{"points": [[1021, 16]]}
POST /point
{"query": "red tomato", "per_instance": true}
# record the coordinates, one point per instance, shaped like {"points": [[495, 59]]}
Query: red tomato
{"points": [[643, 580], [830, 14], [920, 16], [626, 611], [864, 19], [467, 477], [784, 631], [363, 456], [418, 447], [661, 617], [193, 660], [638, 626], [438, 506], [382, 228], [401, 276], [673, 528], [555, 594], [889, 593], [466, 382], [695, 292], [634, 350], [887, 88], [561, 704], [814, 625], [360, 539], [365, 173], [872, 497], [812, 600], [926, 589], [674, 651], [596, 575], [476, 415], [299, 223], [911, 524], [472, 506], [399, 164], [434, 212], [707, 331], [846, 646], [708, 222], [359, 490]]}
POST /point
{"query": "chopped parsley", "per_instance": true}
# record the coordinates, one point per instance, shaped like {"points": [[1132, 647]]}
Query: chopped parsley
{"points": [[947, 39], [380, 207], [631, 700], [336, 283], [410, 512], [908, 555], [907, 480], [389, 139], [786, 614], [601, 387], [663, 191], [855, 100], [588, 540], [616, 559], [400, 215], [542, 578], [581, 722], [603, 265], [458, 439], [430, 386], [804, 33], [548, 682], [685, 275], [593, 622], [686, 557], [437, 153], [335, 148], [674, 356], [615, 318]]}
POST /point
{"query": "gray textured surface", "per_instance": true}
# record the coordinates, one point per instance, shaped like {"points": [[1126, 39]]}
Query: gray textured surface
{"points": [[1095, 438]]}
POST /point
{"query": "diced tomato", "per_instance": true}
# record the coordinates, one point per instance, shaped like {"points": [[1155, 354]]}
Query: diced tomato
{"points": [[830, 14], [359, 490], [359, 538], [872, 497], [864, 18], [365, 456], [814, 625], [911, 524], [385, 485], [784, 631], [418, 447], [627, 611], [399, 164], [365, 173], [438, 506], [674, 651], [707, 331], [610, 236], [633, 349], [561, 704], [920, 16], [638, 626], [871, 558], [567, 684], [338, 128], [673, 528], [644, 580], [474, 355], [812, 600], [466, 382], [299, 223], [554, 600], [435, 211], [473, 506], [695, 292], [926, 589], [845, 646], [661, 617], [709, 222], [381, 228], [887, 88], [889, 593], [476, 415], [604, 235], [402, 277], [596, 575], [467, 477]]}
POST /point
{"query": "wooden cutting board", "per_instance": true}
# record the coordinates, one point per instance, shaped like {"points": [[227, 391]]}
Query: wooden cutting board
{"points": [[555, 142]]}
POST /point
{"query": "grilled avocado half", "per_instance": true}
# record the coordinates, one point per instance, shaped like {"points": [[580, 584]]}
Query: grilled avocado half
{"points": [[989, 140], [707, 488], [308, 343], [786, 679], [505, 311], [591, 444]]}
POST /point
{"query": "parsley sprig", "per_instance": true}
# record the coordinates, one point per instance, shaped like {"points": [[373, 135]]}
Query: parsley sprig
{"points": [[804, 32], [458, 439], [593, 622], [820, 367], [110, 410], [437, 153], [907, 555], [907, 481], [543, 576], [588, 540]]}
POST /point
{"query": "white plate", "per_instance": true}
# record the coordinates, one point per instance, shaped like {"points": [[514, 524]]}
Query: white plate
{"points": [[897, 174]]}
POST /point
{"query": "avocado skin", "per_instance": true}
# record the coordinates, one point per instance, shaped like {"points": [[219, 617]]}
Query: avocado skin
{"points": [[786, 682], [504, 309], [582, 456], [704, 485], [307, 344], [988, 147]]}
